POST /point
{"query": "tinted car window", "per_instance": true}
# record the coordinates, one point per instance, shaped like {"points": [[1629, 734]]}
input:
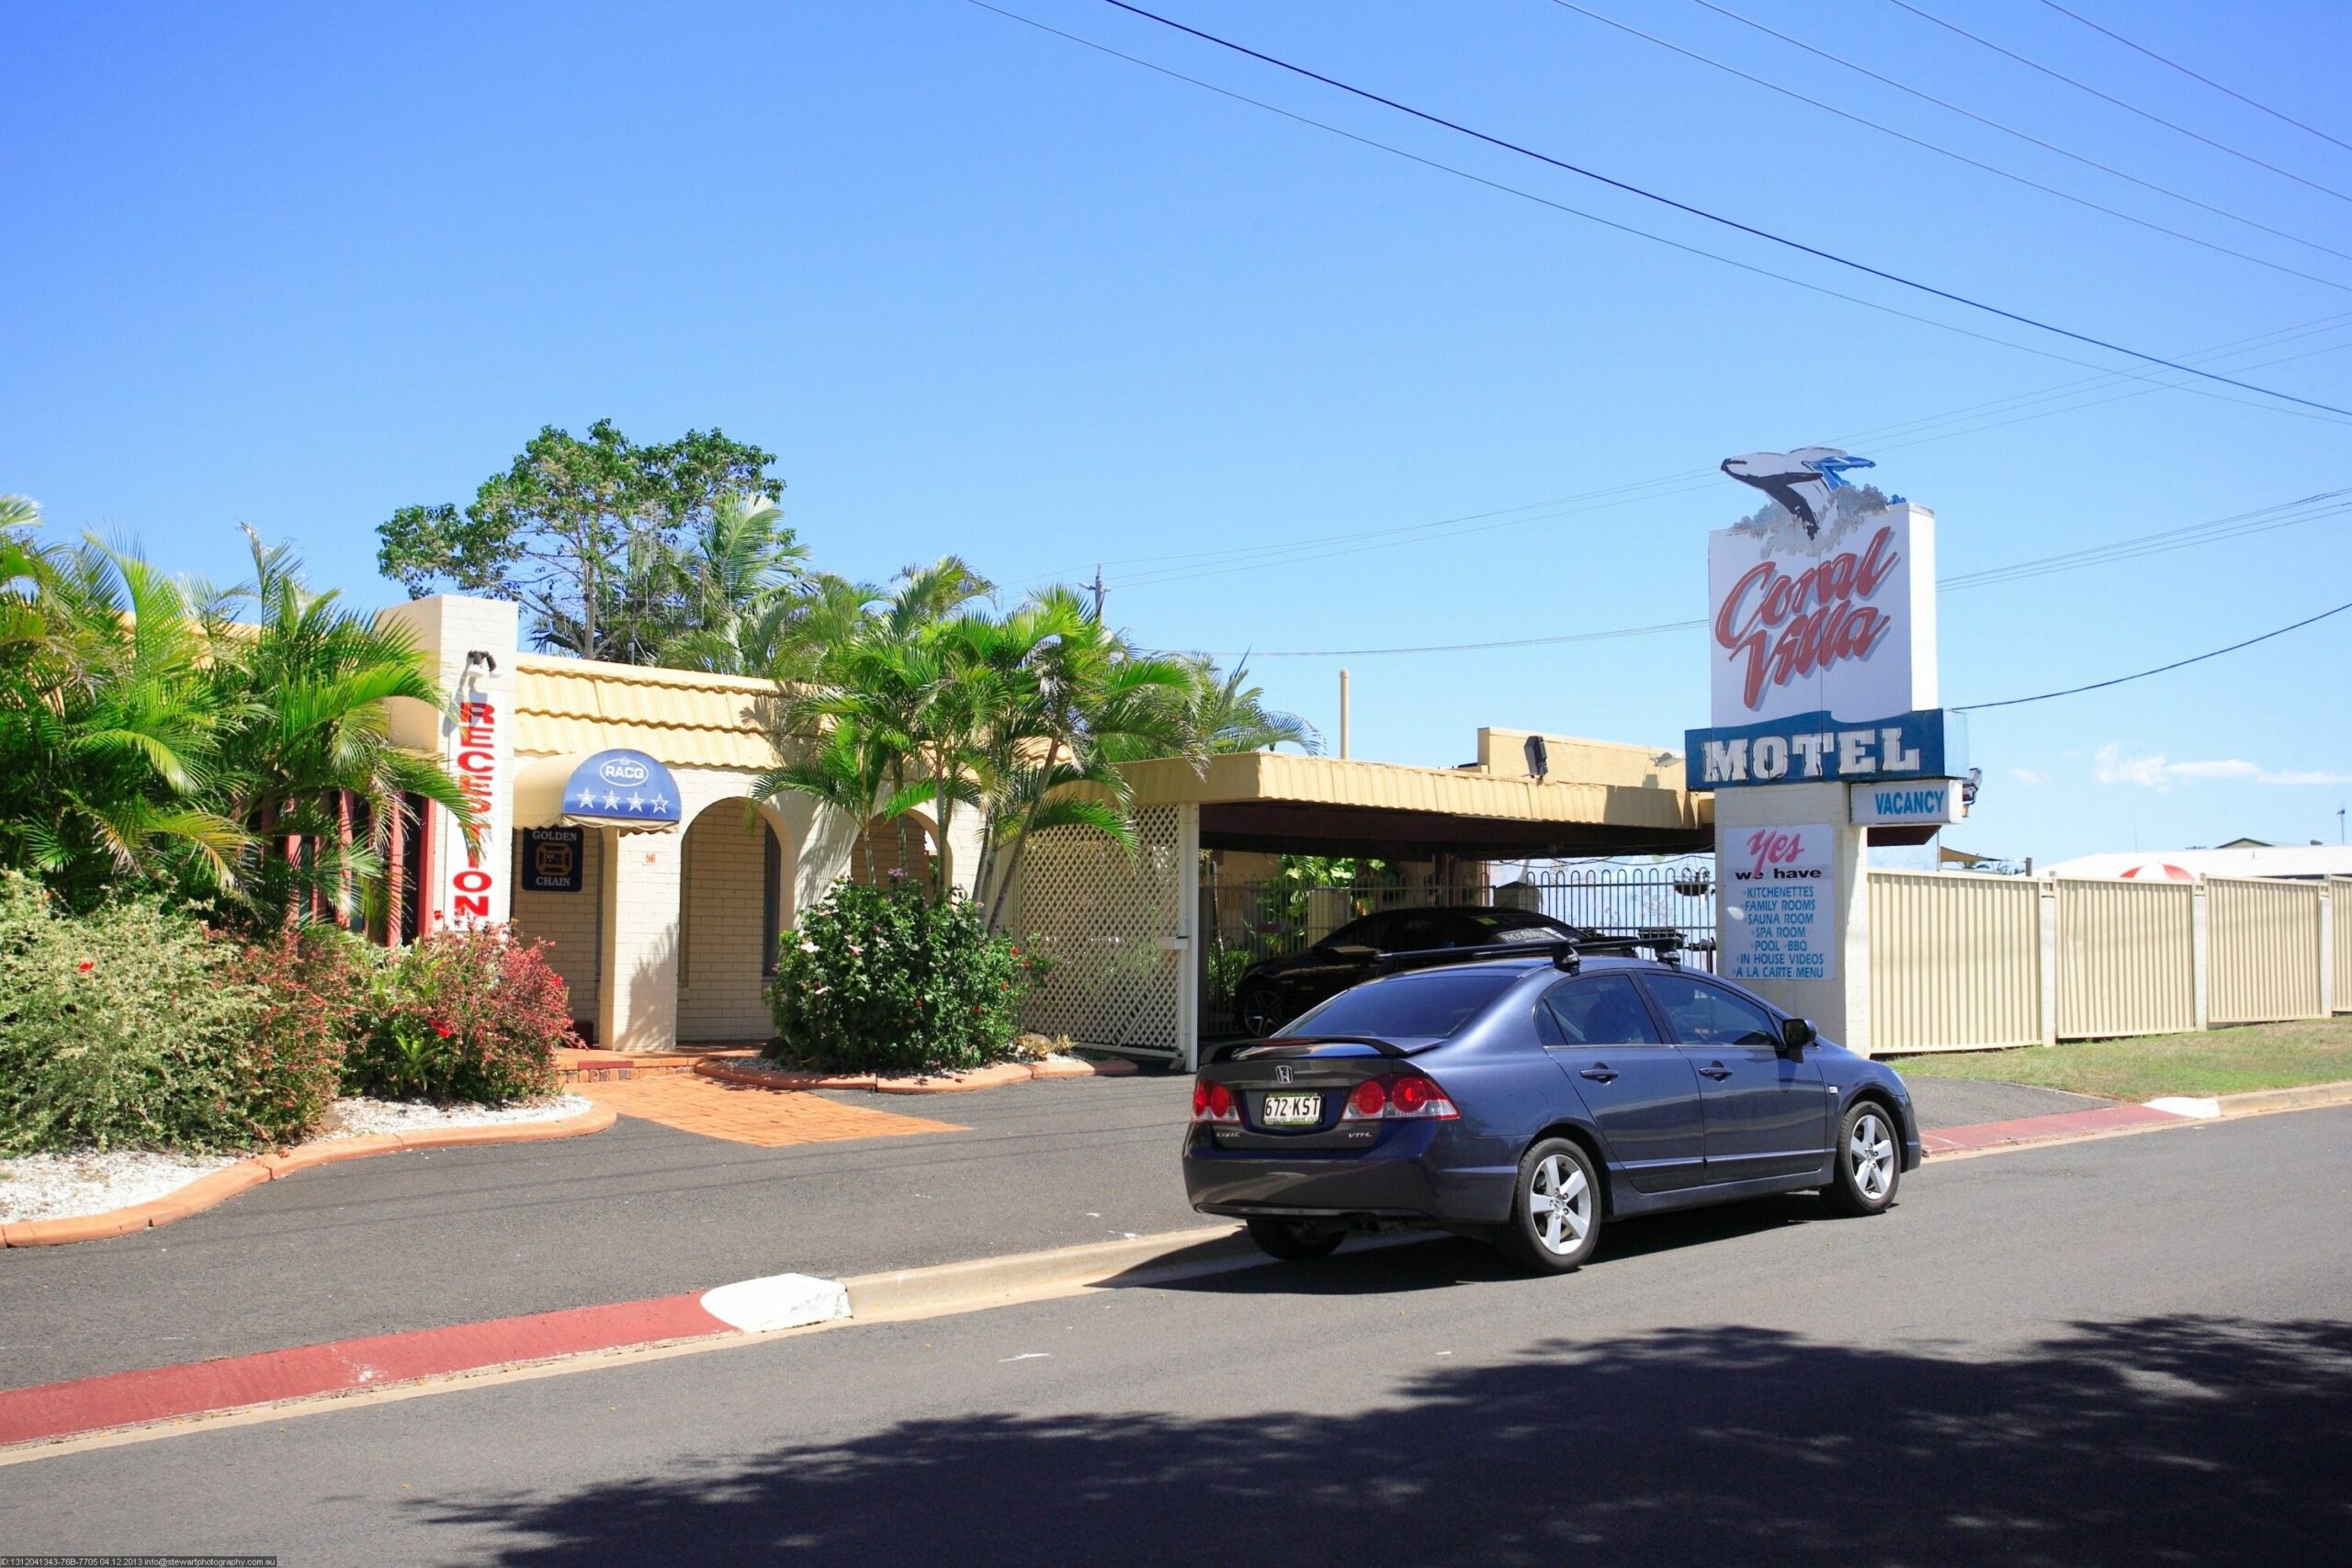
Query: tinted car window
{"points": [[1703, 1014], [1435, 1004], [1510, 925], [1414, 933], [1602, 1009], [1370, 932]]}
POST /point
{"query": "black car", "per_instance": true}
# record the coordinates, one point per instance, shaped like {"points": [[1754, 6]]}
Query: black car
{"points": [[1270, 994], [1525, 1100]]}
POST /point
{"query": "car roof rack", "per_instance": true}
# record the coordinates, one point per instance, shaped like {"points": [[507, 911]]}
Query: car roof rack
{"points": [[1662, 942]]}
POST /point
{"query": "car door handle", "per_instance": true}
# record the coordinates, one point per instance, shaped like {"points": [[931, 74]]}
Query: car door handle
{"points": [[1599, 1072], [1714, 1070]]}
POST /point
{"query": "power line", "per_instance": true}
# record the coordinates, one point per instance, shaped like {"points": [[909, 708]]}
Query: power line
{"points": [[1715, 217], [2159, 670], [2005, 130], [1941, 151], [1241, 558], [2176, 65], [2329, 503], [2119, 103]]}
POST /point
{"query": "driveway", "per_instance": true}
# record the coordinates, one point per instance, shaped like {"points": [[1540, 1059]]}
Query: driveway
{"points": [[426, 1239]]}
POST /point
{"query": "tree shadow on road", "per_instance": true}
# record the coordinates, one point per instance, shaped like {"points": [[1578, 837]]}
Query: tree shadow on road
{"points": [[2164, 1441]]}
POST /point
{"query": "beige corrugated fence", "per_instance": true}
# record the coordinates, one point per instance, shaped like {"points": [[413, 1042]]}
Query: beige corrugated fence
{"points": [[2126, 958], [1955, 960], [2264, 942], [2339, 893]]}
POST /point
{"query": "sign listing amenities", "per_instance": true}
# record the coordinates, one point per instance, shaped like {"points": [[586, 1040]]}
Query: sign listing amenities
{"points": [[1776, 899]]}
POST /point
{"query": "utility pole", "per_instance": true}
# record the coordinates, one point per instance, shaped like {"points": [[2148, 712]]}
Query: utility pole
{"points": [[1100, 588], [1343, 716]]}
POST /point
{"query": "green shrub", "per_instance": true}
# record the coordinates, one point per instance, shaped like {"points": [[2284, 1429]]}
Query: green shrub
{"points": [[312, 983], [882, 980], [470, 1015], [126, 1027]]}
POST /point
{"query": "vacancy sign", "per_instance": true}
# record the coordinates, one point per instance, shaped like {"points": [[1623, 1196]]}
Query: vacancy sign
{"points": [[1776, 890], [1934, 801]]}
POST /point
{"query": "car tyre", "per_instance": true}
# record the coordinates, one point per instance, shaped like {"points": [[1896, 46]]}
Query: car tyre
{"points": [[1260, 1011], [1867, 1161], [1295, 1241], [1555, 1210]]}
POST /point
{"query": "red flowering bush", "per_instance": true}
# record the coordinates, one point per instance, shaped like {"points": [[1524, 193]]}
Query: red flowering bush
{"points": [[471, 1015], [313, 988]]}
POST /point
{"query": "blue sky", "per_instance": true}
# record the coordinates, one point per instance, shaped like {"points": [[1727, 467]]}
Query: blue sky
{"points": [[984, 290]]}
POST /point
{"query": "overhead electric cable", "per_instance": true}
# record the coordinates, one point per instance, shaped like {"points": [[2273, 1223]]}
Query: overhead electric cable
{"points": [[2005, 130], [2283, 515], [2111, 98], [1716, 218], [2159, 670], [1940, 151], [1192, 565], [2176, 65]]}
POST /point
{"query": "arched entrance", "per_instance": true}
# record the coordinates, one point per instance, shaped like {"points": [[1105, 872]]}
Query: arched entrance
{"points": [[889, 852], [734, 896]]}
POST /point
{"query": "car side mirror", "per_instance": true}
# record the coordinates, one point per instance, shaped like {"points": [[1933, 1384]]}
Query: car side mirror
{"points": [[1353, 953], [1796, 1033]]}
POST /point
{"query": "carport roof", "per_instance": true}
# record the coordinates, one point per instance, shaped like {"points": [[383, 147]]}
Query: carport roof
{"points": [[1268, 800]]}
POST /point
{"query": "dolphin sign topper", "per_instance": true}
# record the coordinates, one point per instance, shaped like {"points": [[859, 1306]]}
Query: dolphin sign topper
{"points": [[1805, 480]]}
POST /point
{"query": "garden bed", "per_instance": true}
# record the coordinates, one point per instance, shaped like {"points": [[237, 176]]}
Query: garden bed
{"points": [[79, 1183], [760, 1073]]}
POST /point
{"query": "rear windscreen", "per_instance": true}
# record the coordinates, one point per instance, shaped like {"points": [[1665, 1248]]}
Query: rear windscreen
{"points": [[1424, 1005]]}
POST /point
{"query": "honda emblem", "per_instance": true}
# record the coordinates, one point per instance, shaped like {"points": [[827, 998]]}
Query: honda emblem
{"points": [[1282, 1075]]}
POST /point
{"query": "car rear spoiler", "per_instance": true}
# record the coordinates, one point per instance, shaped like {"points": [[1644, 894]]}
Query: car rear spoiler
{"points": [[1280, 1044]]}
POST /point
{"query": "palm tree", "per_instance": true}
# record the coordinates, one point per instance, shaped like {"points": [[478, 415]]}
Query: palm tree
{"points": [[109, 726], [738, 584], [1227, 713], [866, 716], [307, 764]]}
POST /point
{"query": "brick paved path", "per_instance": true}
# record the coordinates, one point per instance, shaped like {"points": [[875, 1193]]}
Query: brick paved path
{"points": [[765, 1118]]}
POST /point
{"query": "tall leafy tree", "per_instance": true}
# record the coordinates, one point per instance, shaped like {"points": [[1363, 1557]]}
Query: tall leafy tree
{"points": [[584, 532]]}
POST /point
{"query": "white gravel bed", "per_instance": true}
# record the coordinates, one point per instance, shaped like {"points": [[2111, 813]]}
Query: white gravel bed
{"points": [[62, 1185], [360, 1116], [55, 1187]]}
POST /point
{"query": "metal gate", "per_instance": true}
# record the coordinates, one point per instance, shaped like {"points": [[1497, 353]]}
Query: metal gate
{"points": [[1243, 924]]}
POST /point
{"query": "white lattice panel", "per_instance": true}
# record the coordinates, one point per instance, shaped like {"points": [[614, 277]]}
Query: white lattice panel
{"points": [[1104, 918]]}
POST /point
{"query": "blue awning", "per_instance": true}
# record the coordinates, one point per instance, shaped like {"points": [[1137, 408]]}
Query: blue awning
{"points": [[623, 789]]}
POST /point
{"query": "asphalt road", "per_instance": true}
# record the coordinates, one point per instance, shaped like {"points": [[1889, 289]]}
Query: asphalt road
{"points": [[427, 1239], [2132, 1350]]}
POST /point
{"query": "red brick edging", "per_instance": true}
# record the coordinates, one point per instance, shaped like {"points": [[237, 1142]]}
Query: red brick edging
{"points": [[2043, 1129], [996, 1076], [219, 1186]]}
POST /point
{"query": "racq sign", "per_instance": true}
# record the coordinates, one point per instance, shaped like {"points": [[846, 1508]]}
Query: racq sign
{"points": [[1821, 637]]}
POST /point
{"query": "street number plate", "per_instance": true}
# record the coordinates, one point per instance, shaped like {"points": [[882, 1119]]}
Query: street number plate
{"points": [[1291, 1110]]}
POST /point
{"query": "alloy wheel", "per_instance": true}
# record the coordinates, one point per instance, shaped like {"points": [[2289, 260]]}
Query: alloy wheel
{"points": [[1869, 1156], [1559, 1201]]}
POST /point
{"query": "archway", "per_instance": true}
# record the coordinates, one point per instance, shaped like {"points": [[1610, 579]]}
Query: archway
{"points": [[894, 852], [734, 897]]}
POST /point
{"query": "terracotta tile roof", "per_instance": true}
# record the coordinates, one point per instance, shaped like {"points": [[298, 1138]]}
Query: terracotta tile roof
{"points": [[682, 717]]}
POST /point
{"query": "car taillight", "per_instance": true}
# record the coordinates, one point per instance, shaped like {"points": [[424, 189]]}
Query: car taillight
{"points": [[1399, 1097], [1214, 1102]]}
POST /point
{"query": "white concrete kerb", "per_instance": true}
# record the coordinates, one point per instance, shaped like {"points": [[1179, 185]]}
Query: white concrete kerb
{"points": [[2181, 1105], [777, 1300]]}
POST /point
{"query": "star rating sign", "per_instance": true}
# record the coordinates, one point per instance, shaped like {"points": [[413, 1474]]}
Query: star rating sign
{"points": [[587, 798], [612, 800]]}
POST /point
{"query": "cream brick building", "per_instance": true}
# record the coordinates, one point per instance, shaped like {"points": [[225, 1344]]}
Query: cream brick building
{"points": [[666, 924]]}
